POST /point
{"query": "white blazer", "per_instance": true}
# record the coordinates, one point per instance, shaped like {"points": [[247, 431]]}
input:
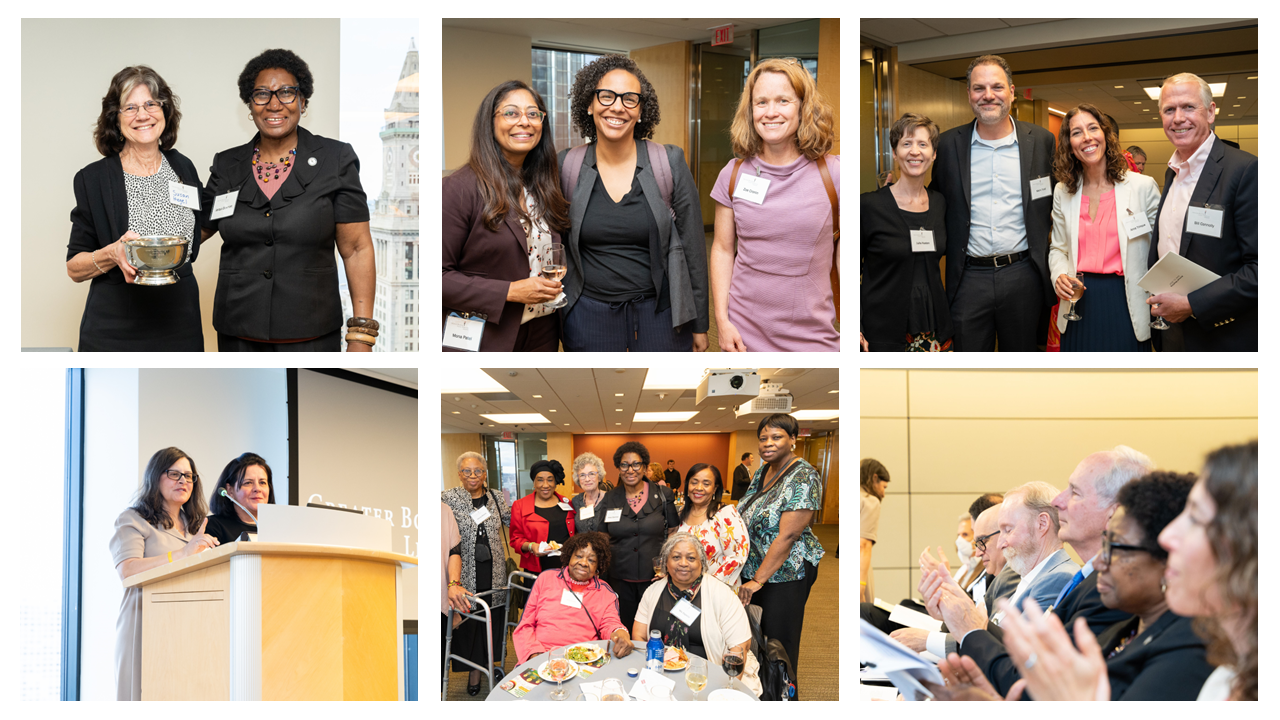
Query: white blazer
{"points": [[1136, 193]]}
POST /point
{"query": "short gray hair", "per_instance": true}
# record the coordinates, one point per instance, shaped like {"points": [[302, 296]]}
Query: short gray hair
{"points": [[1125, 464], [1206, 93], [1037, 497], [585, 459], [676, 539], [469, 455]]}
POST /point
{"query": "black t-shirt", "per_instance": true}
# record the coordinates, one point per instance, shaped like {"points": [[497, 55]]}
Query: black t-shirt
{"points": [[557, 529], [920, 314], [637, 537], [227, 528], [615, 247]]}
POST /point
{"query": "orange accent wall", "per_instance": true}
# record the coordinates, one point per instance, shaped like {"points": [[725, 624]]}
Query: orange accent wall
{"points": [[686, 450]]}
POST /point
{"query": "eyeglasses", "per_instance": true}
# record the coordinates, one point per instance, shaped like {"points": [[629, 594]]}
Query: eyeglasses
{"points": [[632, 466], [588, 476], [981, 542], [286, 95], [473, 473], [149, 107], [629, 99], [1108, 546], [511, 114], [176, 475]]}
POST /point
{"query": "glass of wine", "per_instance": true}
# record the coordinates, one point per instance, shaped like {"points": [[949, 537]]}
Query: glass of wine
{"points": [[732, 665], [1077, 293], [558, 668], [612, 690], [695, 676], [1159, 323], [554, 268]]}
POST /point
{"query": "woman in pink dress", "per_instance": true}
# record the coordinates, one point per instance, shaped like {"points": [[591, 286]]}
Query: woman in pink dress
{"points": [[717, 526], [773, 291]]}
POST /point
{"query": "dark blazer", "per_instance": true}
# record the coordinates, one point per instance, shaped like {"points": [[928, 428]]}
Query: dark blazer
{"points": [[741, 480], [1166, 662], [277, 278], [637, 536], [1226, 310], [118, 316], [951, 177], [480, 264], [673, 479], [688, 287], [888, 268], [987, 649]]}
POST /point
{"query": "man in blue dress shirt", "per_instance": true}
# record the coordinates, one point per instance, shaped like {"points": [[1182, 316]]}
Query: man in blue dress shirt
{"points": [[997, 178]]}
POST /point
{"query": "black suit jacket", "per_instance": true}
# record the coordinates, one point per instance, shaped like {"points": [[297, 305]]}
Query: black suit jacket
{"points": [[1166, 662], [888, 269], [951, 177], [987, 649], [277, 278], [741, 480], [119, 316], [673, 479], [1226, 310]]}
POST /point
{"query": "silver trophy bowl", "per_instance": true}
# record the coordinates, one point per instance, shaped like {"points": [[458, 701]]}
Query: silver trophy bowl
{"points": [[155, 257]]}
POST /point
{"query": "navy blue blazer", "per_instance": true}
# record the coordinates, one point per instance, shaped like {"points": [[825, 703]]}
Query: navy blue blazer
{"points": [[1166, 662]]}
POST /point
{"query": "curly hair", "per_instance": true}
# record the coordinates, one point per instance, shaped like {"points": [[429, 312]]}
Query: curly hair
{"points": [[630, 447], [1067, 168], [233, 475], [285, 60], [597, 541], [149, 502], [717, 494], [107, 135], [583, 92], [816, 133], [585, 459], [1153, 501], [1231, 478], [682, 537]]}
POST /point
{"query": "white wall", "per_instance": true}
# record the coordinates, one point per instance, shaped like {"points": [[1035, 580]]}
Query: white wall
{"points": [[67, 66]]}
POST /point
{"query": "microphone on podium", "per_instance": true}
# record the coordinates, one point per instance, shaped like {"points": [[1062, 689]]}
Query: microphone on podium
{"points": [[248, 512]]}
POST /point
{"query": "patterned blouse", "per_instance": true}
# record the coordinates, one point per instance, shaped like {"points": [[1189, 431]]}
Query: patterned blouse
{"points": [[539, 240], [800, 488], [150, 212], [724, 539]]}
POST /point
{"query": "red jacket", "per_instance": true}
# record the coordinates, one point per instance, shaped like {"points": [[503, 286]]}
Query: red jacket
{"points": [[529, 526]]}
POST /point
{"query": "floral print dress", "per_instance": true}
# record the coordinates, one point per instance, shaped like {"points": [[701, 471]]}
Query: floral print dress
{"points": [[724, 540]]}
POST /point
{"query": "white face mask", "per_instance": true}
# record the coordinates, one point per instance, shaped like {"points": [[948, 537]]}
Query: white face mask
{"points": [[965, 548]]}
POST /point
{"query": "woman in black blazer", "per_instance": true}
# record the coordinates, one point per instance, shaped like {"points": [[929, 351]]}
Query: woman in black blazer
{"points": [[123, 196], [281, 202], [904, 306], [502, 211], [637, 278]]}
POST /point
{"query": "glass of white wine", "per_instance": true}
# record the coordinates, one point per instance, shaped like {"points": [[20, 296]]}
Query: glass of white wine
{"points": [[695, 676], [558, 667], [612, 690], [1077, 292], [554, 268]]}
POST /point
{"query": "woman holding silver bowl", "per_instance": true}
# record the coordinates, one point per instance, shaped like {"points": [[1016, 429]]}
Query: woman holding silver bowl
{"points": [[126, 195]]}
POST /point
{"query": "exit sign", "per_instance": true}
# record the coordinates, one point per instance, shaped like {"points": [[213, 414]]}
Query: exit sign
{"points": [[508, 435], [722, 35]]}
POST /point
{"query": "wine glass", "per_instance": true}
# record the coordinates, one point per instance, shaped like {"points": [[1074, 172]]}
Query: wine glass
{"points": [[1159, 323], [695, 676], [732, 665], [1077, 293], [612, 690], [558, 668], [554, 268]]}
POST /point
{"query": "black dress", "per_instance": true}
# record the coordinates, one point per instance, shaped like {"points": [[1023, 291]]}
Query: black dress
{"points": [[901, 290], [558, 530], [662, 620], [227, 528], [119, 317]]}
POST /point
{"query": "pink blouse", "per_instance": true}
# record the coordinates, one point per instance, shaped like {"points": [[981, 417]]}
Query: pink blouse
{"points": [[1099, 239], [724, 540]]}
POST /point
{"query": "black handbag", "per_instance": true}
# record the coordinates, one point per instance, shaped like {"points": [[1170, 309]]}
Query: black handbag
{"points": [[777, 677]]}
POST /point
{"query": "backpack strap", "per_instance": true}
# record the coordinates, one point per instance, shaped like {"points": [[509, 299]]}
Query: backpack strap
{"points": [[835, 227], [733, 176], [570, 170], [661, 166]]}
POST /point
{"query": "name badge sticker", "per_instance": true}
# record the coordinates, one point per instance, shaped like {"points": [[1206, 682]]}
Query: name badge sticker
{"points": [[586, 512], [613, 515], [685, 611], [565, 506], [224, 205], [462, 331], [922, 241], [1136, 224], [751, 188], [1040, 188], [184, 195], [1205, 220], [479, 515], [569, 599]]}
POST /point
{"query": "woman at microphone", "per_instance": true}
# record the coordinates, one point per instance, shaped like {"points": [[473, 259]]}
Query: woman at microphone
{"points": [[247, 481]]}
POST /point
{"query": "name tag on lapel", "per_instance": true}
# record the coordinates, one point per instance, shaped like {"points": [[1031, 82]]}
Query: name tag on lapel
{"points": [[224, 205], [1205, 220], [1040, 188], [184, 195], [752, 188], [1137, 224]]}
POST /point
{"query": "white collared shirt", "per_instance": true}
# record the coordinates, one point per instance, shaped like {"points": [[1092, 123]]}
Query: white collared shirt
{"points": [[1174, 213], [996, 222]]}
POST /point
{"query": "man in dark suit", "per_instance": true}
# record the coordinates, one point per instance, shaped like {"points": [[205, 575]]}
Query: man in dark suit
{"points": [[741, 477], [1209, 215], [672, 475], [997, 178]]}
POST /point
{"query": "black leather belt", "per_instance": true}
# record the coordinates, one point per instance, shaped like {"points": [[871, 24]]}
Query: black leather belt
{"points": [[996, 261]]}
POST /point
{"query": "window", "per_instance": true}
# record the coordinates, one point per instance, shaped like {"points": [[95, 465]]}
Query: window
{"points": [[553, 74]]}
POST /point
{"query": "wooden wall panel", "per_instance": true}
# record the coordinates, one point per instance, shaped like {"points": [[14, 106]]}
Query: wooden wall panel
{"points": [[451, 446], [667, 67], [829, 69]]}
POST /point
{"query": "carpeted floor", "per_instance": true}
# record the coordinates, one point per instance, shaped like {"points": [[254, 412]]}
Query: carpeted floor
{"points": [[819, 646]]}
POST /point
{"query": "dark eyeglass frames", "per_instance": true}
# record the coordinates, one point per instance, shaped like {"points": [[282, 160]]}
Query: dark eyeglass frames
{"points": [[981, 542], [629, 99], [286, 95], [1108, 546]]}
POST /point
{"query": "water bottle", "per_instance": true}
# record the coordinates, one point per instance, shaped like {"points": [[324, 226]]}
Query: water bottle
{"points": [[655, 651]]}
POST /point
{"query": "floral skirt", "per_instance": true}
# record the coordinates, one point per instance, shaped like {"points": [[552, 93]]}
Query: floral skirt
{"points": [[926, 342]]}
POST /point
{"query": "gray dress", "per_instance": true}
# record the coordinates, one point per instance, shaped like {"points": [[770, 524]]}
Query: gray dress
{"points": [[137, 538]]}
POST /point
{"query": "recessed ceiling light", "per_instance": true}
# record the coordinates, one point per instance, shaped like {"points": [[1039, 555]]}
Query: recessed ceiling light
{"points": [[617, 409], [1146, 109], [682, 416], [516, 418], [492, 425], [1218, 88], [551, 410], [815, 414], [1235, 106], [1137, 102], [617, 394], [1118, 87], [468, 381], [720, 408], [1152, 92], [832, 392], [1231, 114], [538, 396], [1252, 77], [455, 412], [697, 423], [566, 424], [1216, 110], [1241, 98], [617, 423]]}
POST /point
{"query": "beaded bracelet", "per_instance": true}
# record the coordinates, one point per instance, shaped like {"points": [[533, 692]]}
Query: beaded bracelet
{"points": [[94, 257]]}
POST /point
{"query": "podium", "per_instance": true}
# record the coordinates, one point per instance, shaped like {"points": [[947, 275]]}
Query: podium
{"points": [[274, 621]]}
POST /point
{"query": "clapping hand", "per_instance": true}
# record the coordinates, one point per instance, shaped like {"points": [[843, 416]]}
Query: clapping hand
{"points": [[964, 681], [1051, 667], [955, 607]]}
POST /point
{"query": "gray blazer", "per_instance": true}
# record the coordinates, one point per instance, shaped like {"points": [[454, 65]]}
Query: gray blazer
{"points": [[1045, 587], [686, 267]]}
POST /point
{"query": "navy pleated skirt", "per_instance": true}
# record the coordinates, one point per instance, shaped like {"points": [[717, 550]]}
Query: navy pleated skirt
{"points": [[1105, 325]]}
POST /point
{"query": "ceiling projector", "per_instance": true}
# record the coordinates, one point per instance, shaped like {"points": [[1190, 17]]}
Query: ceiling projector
{"points": [[728, 383]]}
